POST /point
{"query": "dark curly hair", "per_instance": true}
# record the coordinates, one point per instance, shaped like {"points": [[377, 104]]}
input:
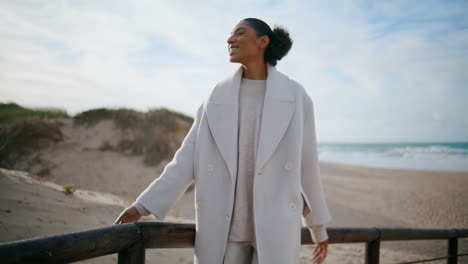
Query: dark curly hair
{"points": [[280, 42]]}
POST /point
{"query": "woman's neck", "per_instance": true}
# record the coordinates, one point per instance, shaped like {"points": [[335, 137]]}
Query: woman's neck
{"points": [[254, 71]]}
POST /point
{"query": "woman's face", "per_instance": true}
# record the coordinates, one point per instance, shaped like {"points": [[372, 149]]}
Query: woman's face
{"points": [[244, 46]]}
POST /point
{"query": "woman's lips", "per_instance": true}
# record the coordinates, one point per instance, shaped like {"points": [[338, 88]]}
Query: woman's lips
{"points": [[232, 50]]}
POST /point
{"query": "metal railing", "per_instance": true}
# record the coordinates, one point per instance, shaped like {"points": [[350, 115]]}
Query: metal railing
{"points": [[130, 241]]}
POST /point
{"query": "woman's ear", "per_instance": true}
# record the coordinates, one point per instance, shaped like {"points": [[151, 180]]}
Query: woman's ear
{"points": [[264, 41]]}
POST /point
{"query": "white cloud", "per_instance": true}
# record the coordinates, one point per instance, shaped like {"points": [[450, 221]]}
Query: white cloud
{"points": [[361, 74]]}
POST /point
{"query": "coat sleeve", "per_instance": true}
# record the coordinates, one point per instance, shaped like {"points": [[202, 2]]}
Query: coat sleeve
{"points": [[318, 233], [176, 177], [142, 210], [316, 211]]}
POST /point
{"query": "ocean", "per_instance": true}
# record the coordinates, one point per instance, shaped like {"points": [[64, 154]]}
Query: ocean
{"points": [[440, 156]]}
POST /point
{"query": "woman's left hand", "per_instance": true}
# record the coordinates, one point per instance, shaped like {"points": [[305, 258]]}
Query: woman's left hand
{"points": [[130, 214], [320, 252]]}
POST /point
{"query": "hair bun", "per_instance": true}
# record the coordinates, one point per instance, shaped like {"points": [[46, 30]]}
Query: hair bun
{"points": [[279, 46]]}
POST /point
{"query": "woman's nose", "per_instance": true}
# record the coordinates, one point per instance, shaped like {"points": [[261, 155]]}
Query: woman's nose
{"points": [[230, 40]]}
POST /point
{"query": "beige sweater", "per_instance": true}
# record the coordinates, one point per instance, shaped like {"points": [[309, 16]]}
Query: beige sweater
{"points": [[251, 95]]}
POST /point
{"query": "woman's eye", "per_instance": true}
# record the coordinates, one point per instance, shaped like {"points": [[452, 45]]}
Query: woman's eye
{"points": [[240, 33]]}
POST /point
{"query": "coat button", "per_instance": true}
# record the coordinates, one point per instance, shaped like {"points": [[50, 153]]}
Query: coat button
{"points": [[210, 167], [292, 205], [288, 165]]}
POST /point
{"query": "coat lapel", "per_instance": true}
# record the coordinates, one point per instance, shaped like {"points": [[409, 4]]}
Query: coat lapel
{"points": [[222, 112]]}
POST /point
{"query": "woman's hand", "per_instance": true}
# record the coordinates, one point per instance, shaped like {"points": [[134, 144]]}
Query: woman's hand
{"points": [[320, 252], [130, 214]]}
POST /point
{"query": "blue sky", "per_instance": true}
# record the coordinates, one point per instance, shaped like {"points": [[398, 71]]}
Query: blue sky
{"points": [[376, 70]]}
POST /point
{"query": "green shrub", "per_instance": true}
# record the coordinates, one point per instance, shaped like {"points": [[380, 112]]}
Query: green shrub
{"points": [[25, 135], [69, 189]]}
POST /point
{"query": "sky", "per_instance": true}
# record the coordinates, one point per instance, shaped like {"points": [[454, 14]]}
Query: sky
{"points": [[377, 71]]}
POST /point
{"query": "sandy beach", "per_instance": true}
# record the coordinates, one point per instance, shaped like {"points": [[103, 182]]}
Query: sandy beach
{"points": [[357, 196], [366, 197]]}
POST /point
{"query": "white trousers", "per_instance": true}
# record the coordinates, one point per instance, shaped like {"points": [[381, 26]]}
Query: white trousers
{"points": [[240, 253]]}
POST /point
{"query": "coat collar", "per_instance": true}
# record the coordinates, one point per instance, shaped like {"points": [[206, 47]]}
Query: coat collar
{"points": [[222, 113]]}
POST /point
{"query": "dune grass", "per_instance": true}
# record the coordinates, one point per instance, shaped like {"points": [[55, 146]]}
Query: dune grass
{"points": [[172, 112], [9, 112], [23, 130], [125, 117]]}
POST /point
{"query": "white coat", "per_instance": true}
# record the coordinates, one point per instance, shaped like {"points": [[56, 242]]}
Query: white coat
{"points": [[286, 172]]}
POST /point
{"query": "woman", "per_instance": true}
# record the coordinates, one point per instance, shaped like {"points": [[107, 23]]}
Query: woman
{"points": [[256, 127]]}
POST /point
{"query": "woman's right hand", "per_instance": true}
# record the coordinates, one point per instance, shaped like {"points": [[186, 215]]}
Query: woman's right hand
{"points": [[130, 214]]}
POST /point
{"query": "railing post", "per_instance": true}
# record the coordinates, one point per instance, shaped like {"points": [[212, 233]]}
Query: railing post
{"points": [[373, 250], [134, 254], [452, 250]]}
